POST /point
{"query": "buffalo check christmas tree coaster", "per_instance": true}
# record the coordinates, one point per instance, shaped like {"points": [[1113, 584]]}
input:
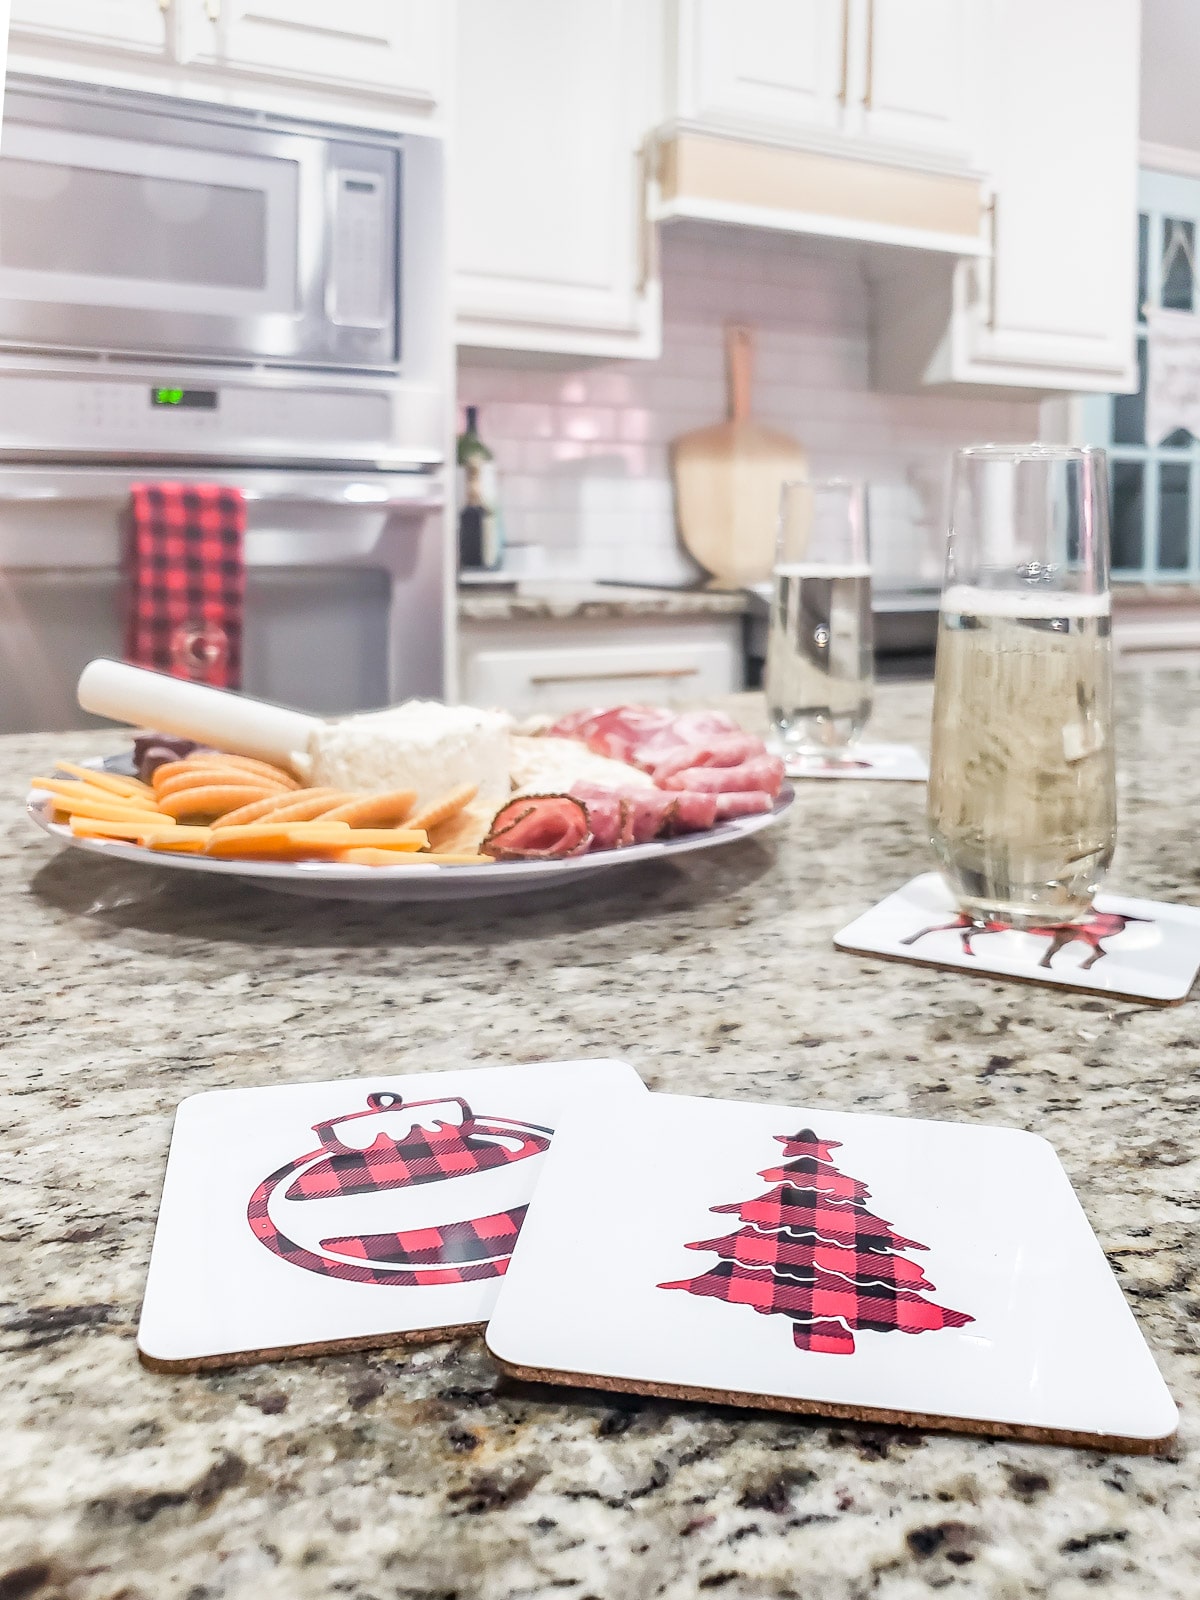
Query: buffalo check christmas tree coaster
{"points": [[873, 762], [1130, 949], [315, 1216], [880, 1268]]}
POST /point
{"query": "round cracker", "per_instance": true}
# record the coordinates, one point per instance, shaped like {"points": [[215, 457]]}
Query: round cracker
{"points": [[205, 777], [258, 810], [260, 769], [373, 810], [210, 800], [442, 809], [311, 805]]}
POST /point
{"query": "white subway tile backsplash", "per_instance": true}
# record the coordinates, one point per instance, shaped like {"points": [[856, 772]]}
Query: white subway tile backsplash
{"points": [[586, 423], [583, 454]]}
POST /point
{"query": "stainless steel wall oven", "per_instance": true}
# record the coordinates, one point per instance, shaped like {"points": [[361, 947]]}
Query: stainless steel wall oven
{"points": [[203, 293]]}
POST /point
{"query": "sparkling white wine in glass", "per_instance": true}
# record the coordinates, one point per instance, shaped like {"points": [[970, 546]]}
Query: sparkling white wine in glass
{"points": [[820, 647], [1022, 786], [820, 662]]}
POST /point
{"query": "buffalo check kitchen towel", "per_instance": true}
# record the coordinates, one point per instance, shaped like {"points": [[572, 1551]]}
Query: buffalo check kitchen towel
{"points": [[186, 578]]}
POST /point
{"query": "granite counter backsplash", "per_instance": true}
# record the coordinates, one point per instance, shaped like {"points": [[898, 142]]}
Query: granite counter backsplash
{"points": [[420, 1475]]}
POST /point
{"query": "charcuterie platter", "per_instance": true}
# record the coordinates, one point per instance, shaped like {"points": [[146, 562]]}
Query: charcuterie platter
{"points": [[421, 802]]}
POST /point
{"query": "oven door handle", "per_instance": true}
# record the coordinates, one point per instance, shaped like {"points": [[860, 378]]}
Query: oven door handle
{"points": [[356, 495]]}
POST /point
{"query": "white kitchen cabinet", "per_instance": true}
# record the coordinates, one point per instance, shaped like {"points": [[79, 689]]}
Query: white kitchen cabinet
{"points": [[1051, 307], [911, 86], [392, 47], [140, 26], [849, 119], [857, 73], [366, 62], [779, 63], [551, 106], [561, 665]]}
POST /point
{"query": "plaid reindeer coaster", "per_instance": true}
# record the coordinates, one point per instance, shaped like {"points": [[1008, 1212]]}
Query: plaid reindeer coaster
{"points": [[881, 1268], [1143, 950]]}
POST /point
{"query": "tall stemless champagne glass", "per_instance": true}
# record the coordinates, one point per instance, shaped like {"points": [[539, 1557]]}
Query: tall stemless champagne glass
{"points": [[1022, 784], [820, 657]]}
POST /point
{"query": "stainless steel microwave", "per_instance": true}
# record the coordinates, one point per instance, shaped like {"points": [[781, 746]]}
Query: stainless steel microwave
{"points": [[138, 227]]}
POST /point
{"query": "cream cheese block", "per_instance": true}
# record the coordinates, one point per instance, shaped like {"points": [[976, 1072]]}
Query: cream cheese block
{"points": [[419, 745]]}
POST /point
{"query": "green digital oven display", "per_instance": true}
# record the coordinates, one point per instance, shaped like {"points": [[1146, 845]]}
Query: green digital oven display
{"points": [[185, 399]]}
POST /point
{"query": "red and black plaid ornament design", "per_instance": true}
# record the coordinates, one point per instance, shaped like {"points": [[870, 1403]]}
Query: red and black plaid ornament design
{"points": [[329, 1211], [809, 1249], [186, 581]]}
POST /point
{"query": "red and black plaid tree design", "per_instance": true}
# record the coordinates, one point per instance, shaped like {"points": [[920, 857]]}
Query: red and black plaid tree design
{"points": [[809, 1249]]}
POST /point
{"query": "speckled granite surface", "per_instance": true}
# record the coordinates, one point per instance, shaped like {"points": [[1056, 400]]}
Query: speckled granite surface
{"points": [[562, 602], [419, 1476]]}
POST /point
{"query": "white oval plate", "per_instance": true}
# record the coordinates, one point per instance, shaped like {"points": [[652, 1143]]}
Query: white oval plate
{"points": [[331, 880]]}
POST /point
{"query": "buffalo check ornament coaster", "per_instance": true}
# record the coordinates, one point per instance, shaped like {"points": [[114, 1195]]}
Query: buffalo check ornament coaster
{"points": [[881, 1268], [366, 1211], [896, 763], [1130, 949]]}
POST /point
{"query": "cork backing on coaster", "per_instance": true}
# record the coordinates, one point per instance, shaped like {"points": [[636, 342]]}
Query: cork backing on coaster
{"points": [[329, 1347], [1144, 951], [864, 1414], [305, 1218], [827, 1263]]}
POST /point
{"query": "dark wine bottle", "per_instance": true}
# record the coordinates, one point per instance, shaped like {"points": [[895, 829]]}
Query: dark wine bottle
{"points": [[480, 537]]}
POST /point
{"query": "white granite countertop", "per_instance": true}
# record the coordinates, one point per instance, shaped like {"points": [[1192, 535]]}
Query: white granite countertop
{"points": [[541, 600], [421, 1475]]}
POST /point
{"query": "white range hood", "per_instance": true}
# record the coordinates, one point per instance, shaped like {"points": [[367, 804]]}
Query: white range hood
{"points": [[865, 195]]}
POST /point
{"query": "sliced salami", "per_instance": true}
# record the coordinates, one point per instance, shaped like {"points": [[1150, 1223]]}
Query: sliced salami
{"points": [[728, 751], [542, 827], [607, 811], [693, 812], [687, 752], [742, 803], [703, 769], [617, 732], [651, 812], [683, 729], [761, 772], [643, 735]]}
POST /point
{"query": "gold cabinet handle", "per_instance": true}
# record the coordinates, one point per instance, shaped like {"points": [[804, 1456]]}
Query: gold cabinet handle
{"points": [[596, 677], [844, 91], [870, 54]]}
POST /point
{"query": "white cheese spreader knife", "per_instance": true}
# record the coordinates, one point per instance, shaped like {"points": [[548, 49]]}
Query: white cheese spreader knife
{"points": [[217, 717]]}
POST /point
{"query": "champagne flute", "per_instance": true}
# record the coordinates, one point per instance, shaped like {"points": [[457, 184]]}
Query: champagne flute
{"points": [[820, 659], [1022, 785]]}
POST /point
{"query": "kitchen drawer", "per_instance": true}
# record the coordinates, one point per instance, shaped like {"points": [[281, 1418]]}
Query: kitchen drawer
{"points": [[545, 679]]}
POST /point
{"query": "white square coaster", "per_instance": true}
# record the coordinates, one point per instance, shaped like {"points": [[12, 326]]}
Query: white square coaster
{"points": [[829, 1262], [350, 1213], [1132, 949], [871, 762]]}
